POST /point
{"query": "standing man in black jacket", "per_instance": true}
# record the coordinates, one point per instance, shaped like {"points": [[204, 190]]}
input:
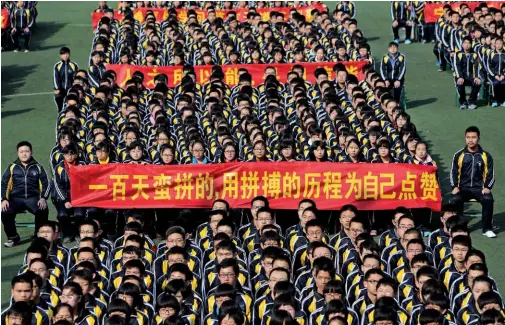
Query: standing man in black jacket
{"points": [[392, 70], [472, 177], [25, 186], [63, 76]]}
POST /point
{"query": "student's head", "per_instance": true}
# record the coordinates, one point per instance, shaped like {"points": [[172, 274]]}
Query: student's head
{"points": [[460, 246], [258, 203], [400, 212], [481, 284], [130, 293], [489, 300], [385, 315], [335, 308], [268, 255], [302, 205], [47, 231], [347, 213], [393, 48], [370, 261], [448, 210], [24, 149], [225, 249], [221, 205], [264, 216], [372, 277], [314, 230], [214, 217], [19, 313], [334, 290], [387, 287], [310, 213], [72, 294], [476, 270], [119, 307], [175, 237], [323, 270], [276, 275], [356, 227], [167, 305], [283, 261], [414, 247], [472, 135], [224, 292], [228, 271], [21, 288], [84, 278], [430, 317], [474, 256], [405, 223], [269, 238], [418, 261], [424, 274], [437, 301], [40, 267], [231, 315], [492, 317]]}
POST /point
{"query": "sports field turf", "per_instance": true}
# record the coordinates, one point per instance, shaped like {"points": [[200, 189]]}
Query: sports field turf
{"points": [[28, 111]]}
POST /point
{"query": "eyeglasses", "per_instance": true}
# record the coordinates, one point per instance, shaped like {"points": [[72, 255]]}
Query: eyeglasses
{"points": [[405, 227], [257, 207], [227, 275], [264, 219]]}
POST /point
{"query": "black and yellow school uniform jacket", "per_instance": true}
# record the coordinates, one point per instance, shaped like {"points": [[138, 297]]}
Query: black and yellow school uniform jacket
{"points": [[101, 252], [412, 302], [442, 254], [355, 290], [312, 300], [243, 300], [261, 306], [191, 248], [95, 306], [467, 313], [400, 259], [160, 266], [368, 315], [49, 295], [300, 318], [390, 251], [362, 303], [101, 295], [337, 240], [472, 169], [387, 238], [39, 316], [116, 279], [189, 318], [19, 182], [450, 274], [306, 280], [162, 282], [448, 316], [436, 238], [393, 68], [317, 317], [148, 254], [210, 278]]}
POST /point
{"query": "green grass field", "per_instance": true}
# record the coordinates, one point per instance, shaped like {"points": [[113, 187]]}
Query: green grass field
{"points": [[28, 110]]}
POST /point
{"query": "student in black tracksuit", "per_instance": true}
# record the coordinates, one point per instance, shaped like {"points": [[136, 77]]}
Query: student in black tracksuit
{"points": [[393, 69], [63, 76], [21, 23], [25, 186], [472, 177], [401, 18], [467, 72]]}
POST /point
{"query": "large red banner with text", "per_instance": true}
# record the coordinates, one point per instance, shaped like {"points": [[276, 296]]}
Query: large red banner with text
{"points": [[182, 14], [331, 185], [124, 72], [433, 11]]}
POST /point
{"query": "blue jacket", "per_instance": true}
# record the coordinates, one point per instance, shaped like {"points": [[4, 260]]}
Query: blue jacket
{"points": [[22, 183]]}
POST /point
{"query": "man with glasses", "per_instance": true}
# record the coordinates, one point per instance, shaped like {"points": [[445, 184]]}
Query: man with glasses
{"points": [[264, 216], [25, 186], [57, 252], [257, 203], [405, 223], [265, 302]]}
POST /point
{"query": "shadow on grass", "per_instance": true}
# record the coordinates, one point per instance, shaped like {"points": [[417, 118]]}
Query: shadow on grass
{"points": [[17, 112], [14, 78], [43, 31], [420, 102]]}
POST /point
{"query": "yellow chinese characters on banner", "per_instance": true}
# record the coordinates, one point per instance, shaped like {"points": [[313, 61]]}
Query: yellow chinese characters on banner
{"points": [[196, 186]]}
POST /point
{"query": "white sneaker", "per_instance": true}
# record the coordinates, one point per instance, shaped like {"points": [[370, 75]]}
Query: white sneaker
{"points": [[489, 234], [26, 51]]}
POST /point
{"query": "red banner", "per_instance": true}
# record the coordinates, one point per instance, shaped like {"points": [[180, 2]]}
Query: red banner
{"points": [[182, 14], [124, 72], [331, 185], [433, 11], [6, 20]]}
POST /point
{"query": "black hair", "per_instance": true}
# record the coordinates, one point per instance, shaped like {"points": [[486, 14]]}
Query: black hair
{"points": [[473, 129], [24, 144]]}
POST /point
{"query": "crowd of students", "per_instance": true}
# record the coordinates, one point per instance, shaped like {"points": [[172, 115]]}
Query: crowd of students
{"points": [[231, 270], [471, 44], [22, 16]]}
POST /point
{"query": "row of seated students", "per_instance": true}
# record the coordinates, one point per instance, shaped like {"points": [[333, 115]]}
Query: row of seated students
{"points": [[259, 273]]}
